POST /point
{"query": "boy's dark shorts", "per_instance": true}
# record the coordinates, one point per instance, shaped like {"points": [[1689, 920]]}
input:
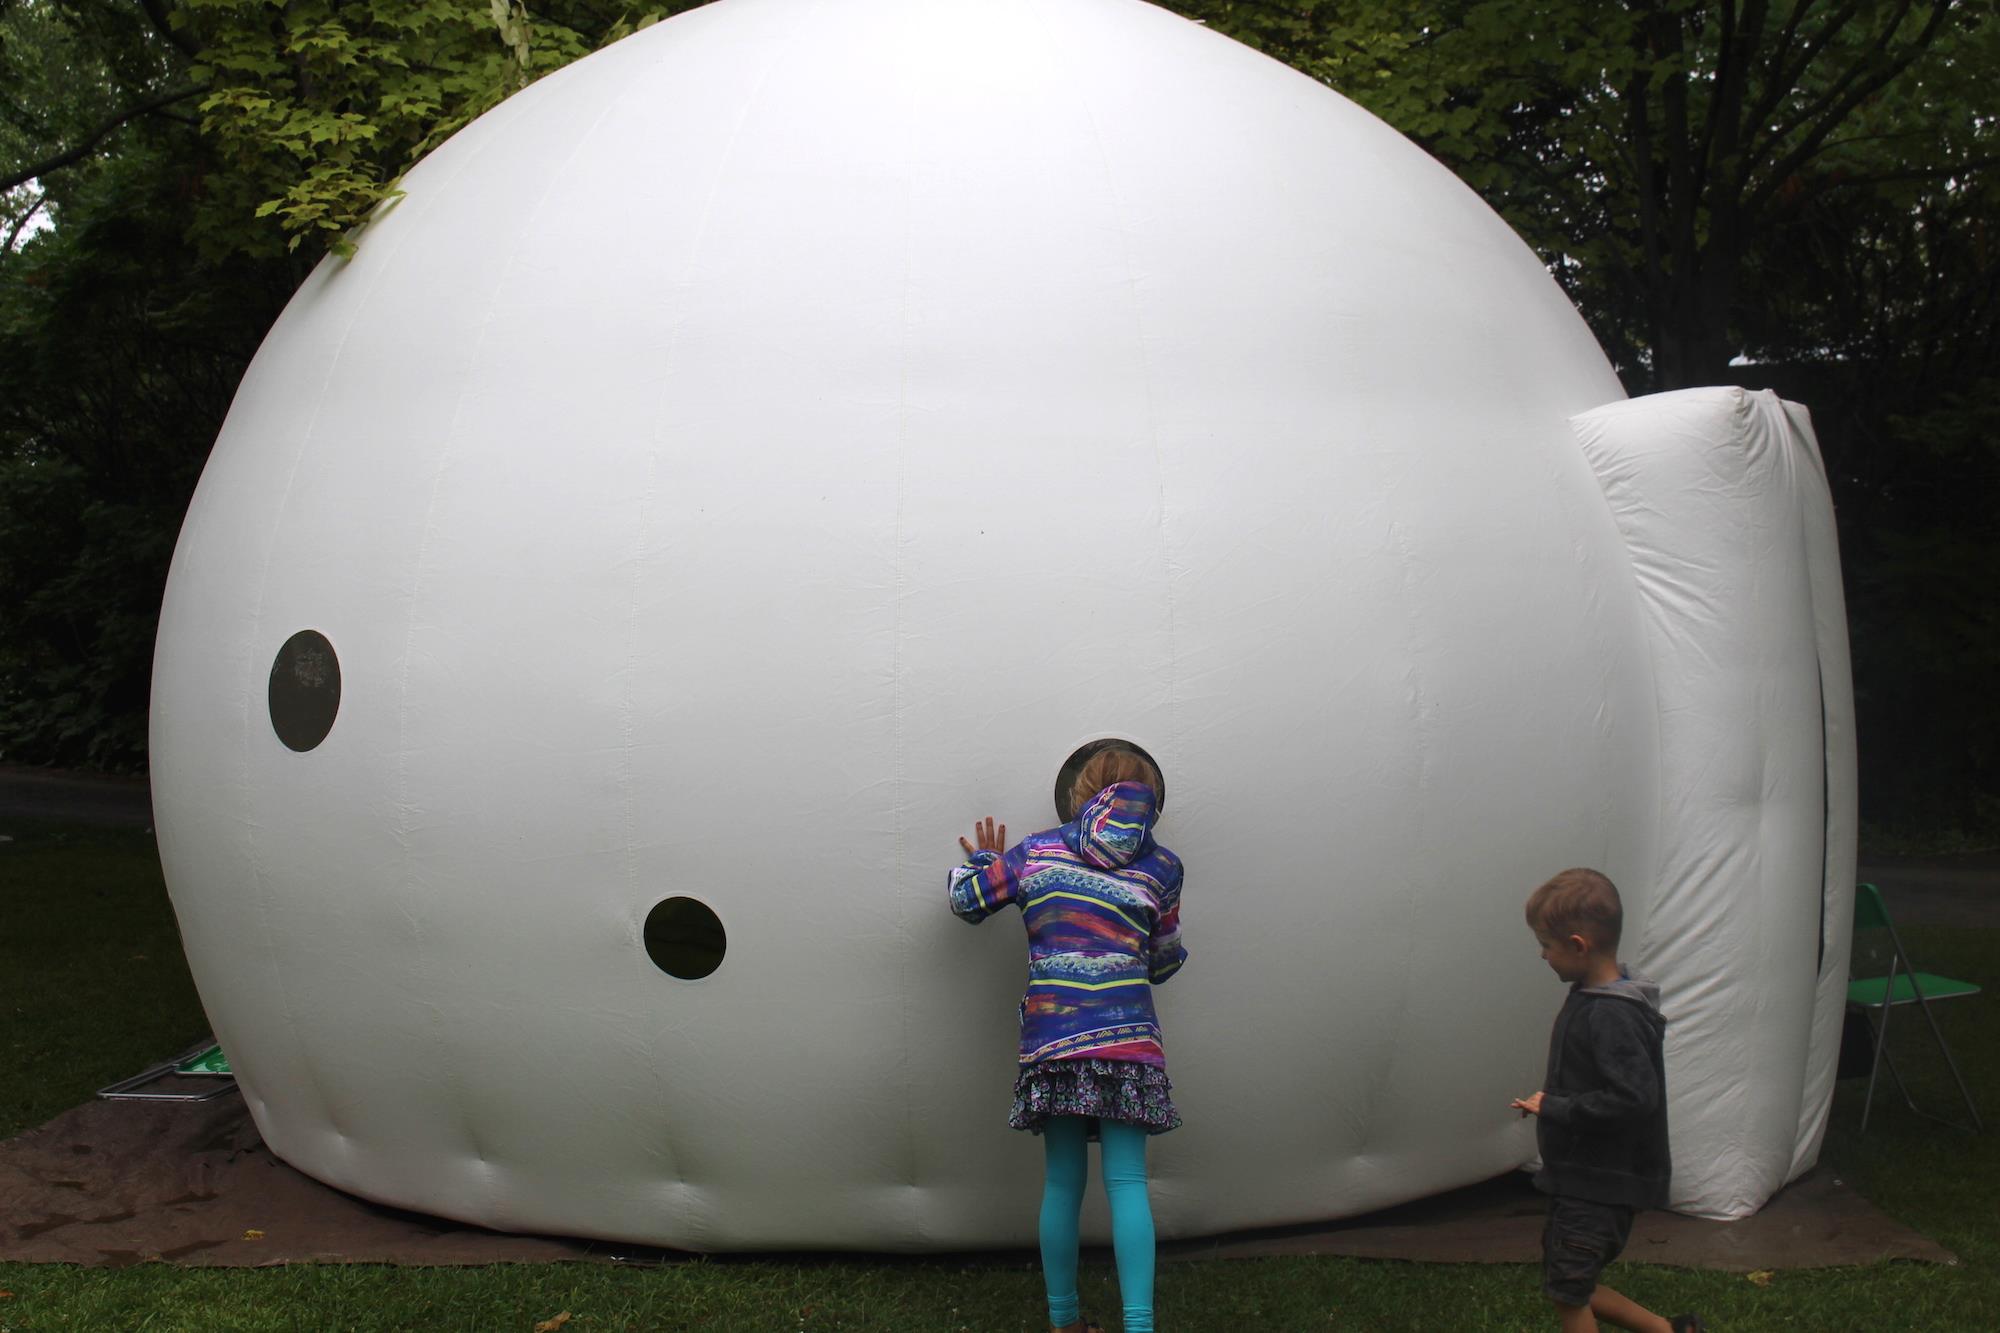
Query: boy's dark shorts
{"points": [[1578, 1240]]}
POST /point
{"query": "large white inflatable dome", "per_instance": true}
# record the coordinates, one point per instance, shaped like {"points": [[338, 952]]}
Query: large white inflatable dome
{"points": [[751, 453]]}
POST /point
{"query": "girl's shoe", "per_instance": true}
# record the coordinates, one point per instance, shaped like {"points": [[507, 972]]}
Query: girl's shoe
{"points": [[1687, 1323]]}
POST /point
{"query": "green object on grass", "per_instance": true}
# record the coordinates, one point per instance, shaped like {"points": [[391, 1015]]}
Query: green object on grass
{"points": [[210, 1061], [1876, 996], [1910, 987]]}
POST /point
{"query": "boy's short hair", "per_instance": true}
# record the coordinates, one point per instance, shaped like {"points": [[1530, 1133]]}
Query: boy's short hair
{"points": [[1108, 768], [1578, 902]]}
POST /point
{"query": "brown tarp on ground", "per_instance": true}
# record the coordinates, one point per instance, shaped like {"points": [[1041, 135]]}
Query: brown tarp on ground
{"points": [[111, 1183], [1815, 1222]]}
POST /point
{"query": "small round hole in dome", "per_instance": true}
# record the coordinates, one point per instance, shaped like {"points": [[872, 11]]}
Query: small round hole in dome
{"points": [[304, 693], [684, 938], [1066, 775]]}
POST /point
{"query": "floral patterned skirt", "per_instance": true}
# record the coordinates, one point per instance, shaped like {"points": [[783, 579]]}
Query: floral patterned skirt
{"points": [[1100, 1089]]}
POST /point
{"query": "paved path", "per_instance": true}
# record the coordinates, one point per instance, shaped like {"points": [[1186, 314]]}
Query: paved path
{"points": [[1938, 890], [1935, 890], [73, 798]]}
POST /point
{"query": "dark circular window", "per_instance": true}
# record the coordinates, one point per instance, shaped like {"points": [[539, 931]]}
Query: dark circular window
{"points": [[1066, 775], [305, 690], [684, 938]]}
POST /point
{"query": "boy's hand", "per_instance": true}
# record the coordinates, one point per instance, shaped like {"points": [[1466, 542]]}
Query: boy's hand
{"points": [[989, 841], [1528, 1105]]}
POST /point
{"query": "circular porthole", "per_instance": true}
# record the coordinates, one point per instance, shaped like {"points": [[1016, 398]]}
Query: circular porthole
{"points": [[1066, 775], [304, 694], [684, 938]]}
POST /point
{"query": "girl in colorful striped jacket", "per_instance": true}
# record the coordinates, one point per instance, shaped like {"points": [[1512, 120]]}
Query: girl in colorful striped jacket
{"points": [[1101, 901]]}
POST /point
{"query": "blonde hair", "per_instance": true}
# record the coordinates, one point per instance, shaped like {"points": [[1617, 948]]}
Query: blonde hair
{"points": [[1578, 902], [1109, 767]]}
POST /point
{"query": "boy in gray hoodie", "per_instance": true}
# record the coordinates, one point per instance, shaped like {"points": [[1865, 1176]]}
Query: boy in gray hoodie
{"points": [[1601, 1116]]}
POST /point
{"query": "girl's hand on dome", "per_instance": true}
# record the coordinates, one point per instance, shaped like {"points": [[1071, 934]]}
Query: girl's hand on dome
{"points": [[989, 841]]}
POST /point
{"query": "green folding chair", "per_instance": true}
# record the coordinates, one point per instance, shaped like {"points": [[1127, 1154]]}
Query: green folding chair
{"points": [[1876, 997]]}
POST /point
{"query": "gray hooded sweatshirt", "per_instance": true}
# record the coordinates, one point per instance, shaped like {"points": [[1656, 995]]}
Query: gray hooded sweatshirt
{"points": [[1603, 1126]]}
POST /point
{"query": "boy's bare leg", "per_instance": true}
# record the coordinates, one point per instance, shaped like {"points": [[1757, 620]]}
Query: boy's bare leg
{"points": [[1576, 1318], [1625, 1312]]}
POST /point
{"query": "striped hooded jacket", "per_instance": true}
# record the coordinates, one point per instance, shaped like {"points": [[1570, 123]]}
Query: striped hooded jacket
{"points": [[1101, 901]]}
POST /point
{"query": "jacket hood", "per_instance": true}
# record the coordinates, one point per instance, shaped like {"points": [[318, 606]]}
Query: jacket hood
{"points": [[1631, 986], [1116, 827]]}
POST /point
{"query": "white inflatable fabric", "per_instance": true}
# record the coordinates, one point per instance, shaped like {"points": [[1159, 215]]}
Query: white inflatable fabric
{"points": [[758, 449], [1723, 503]]}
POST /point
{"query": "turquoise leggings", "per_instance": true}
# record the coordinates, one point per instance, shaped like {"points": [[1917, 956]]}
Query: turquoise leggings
{"points": [[1124, 1153]]}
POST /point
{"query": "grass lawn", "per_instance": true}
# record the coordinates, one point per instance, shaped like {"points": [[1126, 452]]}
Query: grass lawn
{"points": [[95, 988]]}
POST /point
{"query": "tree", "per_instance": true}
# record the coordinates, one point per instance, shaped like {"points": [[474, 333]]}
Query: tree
{"points": [[313, 108], [118, 358], [73, 73], [317, 106], [1650, 150]]}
